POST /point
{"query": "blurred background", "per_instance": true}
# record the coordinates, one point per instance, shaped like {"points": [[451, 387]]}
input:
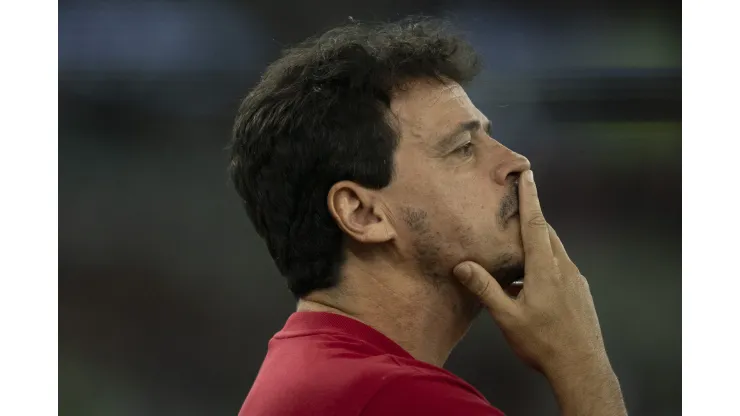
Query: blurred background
{"points": [[167, 296]]}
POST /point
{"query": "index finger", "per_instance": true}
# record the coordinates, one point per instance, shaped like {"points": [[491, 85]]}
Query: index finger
{"points": [[535, 234], [558, 250]]}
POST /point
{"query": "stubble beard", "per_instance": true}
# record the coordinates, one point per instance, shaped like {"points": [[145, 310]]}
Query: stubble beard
{"points": [[428, 247]]}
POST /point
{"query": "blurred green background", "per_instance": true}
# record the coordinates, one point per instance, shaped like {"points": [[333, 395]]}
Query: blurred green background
{"points": [[167, 296]]}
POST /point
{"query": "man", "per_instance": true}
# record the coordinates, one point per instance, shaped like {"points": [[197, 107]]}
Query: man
{"points": [[395, 217]]}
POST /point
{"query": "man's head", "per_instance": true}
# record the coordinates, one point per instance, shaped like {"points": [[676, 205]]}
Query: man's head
{"points": [[363, 143]]}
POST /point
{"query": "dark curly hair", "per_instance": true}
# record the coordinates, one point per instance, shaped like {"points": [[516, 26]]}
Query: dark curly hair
{"points": [[320, 115]]}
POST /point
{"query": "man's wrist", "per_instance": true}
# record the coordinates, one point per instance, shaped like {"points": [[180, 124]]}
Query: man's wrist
{"points": [[589, 387], [583, 365]]}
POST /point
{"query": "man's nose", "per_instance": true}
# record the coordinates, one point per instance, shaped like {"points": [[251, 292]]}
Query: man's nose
{"points": [[511, 163]]}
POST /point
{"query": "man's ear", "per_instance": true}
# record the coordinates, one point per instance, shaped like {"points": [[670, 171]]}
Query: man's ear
{"points": [[359, 213]]}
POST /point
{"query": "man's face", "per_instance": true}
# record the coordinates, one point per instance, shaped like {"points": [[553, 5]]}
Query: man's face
{"points": [[454, 192]]}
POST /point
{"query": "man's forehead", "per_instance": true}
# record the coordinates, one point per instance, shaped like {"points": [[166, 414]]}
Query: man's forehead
{"points": [[428, 106]]}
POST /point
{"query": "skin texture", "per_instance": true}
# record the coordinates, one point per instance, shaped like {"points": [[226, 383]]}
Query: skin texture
{"points": [[429, 251], [552, 324], [453, 198]]}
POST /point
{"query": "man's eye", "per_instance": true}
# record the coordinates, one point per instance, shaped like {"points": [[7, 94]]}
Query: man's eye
{"points": [[466, 149]]}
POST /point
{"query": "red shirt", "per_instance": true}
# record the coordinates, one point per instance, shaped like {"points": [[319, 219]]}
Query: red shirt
{"points": [[331, 365]]}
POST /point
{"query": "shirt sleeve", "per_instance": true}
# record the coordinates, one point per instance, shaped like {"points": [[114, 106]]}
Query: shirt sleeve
{"points": [[429, 396]]}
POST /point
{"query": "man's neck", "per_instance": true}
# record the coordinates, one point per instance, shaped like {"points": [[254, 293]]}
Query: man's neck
{"points": [[425, 320]]}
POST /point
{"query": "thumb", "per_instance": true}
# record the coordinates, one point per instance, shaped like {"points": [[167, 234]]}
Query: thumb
{"points": [[473, 276]]}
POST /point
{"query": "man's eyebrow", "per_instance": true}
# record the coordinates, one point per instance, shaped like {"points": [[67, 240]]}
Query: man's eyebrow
{"points": [[449, 139]]}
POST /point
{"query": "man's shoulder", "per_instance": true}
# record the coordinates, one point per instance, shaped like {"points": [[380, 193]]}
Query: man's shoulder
{"points": [[428, 392]]}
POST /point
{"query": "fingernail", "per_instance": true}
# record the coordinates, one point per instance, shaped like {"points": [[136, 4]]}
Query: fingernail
{"points": [[462, 270], [529, 175]]}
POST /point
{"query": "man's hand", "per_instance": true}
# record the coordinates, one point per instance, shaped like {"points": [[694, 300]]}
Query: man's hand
{"points": [[552, 324]]}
